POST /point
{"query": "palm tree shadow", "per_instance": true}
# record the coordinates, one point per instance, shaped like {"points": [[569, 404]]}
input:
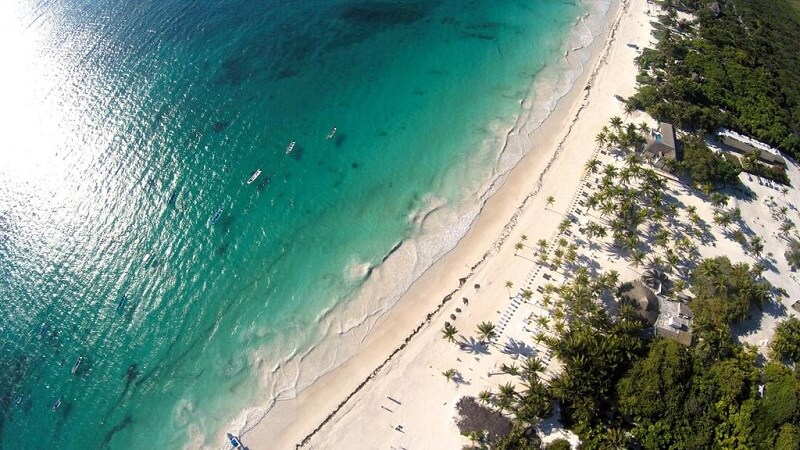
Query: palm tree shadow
{"points": [[754, 322], [458, 378], [473, 346], [519, 348]]}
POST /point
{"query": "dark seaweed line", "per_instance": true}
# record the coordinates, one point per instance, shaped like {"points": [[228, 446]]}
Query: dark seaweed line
{"points": [[405, 343], [602, 61]]}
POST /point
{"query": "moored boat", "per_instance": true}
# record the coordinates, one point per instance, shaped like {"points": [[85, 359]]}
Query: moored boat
{"points": [[254, 176], [290, 147], [77, 365], [216, 216]]}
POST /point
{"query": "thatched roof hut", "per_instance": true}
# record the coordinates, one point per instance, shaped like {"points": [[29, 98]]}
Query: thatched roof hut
{"points": [[643, 300]]}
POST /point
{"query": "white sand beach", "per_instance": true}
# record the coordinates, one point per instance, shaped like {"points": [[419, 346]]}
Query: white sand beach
{"points": [[423, 401]]}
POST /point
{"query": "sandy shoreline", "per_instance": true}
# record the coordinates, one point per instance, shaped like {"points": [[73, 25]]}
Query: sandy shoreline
{"points": [[391, 362]]}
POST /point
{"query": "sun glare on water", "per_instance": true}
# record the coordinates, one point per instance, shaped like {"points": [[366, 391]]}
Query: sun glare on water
{"points": [[31, 133], [48, 137]]}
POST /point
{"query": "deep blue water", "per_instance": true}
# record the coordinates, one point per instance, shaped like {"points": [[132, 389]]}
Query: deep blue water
{"points": [[128, 124]]}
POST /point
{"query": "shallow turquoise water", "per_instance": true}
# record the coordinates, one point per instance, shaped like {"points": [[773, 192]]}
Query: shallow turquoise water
{"points": [[127, 125]]}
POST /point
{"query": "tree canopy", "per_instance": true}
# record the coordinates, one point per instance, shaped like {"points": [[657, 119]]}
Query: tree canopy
{"points": [[724, 293], [786, 341], [704, 166], [736, 65]]}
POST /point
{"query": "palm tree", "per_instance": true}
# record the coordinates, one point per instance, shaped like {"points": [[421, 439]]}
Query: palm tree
{"points": [[486, 331], [709, 268], [723, 220], [507, 391], [517, 247], [630, 132], [509, 285], [720, 285], [532, 367], [612, 140], [662, 238], [736, 213], [718, 200], [527, 294], [512, 369], [542, 243], [637, 257], [543, 321], [597, 230], [449, 332], [758, 269], [611, 278], [672, 258], [644, 128], [542, 259], [600, 139], [656, 263], [524, 237], [592, 165], [485, 397], [616, 123], [450, 374], [564, 225], [629, 109], [572, 254], [756, 245], [632, 162], [550, 201], [625, 176], [610, 170]]}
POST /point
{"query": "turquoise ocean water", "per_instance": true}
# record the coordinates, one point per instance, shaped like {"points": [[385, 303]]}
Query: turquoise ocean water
{"points": [[129, 316]]}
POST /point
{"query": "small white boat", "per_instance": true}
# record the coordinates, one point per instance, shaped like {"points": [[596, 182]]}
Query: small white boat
{"points": [[254, 176], [290, 147], [333, 131]]}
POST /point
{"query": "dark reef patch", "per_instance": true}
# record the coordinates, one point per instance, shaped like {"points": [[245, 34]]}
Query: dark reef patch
{"points": [[385, 14], [220, 125]]}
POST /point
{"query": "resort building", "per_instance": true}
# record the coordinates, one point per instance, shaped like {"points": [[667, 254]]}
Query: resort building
{"points": [[674, 321], [741, 146], [662, 146], [663, 317]]}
